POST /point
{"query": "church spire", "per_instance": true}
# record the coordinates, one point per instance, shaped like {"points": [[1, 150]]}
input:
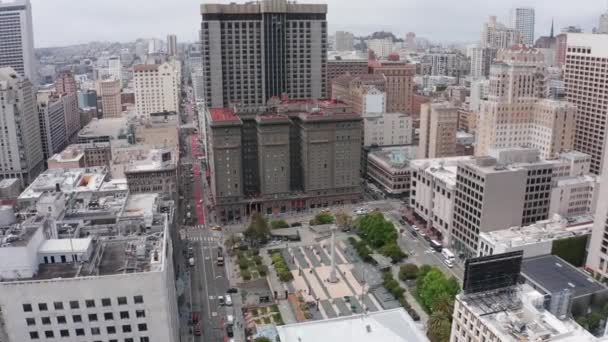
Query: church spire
{"points": [[551, 35]]}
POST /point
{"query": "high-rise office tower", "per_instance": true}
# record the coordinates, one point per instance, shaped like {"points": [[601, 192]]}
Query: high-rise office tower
{"points": [[585, 75], [438, 127], [172, 45], [497, 35], [410, 41], [603, 24], [65, 83], [344, 41], [17, 38], [481, 60], [21, 152], [597, 259], [115, 68], [255, 51], [523, 22], [51, 117]]}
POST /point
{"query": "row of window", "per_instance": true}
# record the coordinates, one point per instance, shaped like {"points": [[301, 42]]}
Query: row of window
{"points": [[108, 316], [89, 303]]}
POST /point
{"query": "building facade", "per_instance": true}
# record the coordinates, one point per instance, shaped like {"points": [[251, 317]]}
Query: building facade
{"points": [[399, 84], [481, 60], [523, 22], [438, 127], [282, 46], [514, 115], [300, 154], [17, 37], [172, 45], [382, 47], [344, 41], [586, 70], [156, 88], [340, 67], [433, 188], [21, 154], [387, 129], [53, 129], [65, 83], [109, 92], [497, 35]]}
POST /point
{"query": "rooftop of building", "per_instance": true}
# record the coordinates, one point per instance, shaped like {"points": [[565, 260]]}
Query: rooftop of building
{"points": [[264, 6], [218, 115], [394, 158], [508, 160], [517, 314], [67, 181], [112, 127], [577, 180], [145, 67], [554, 275], [9, 182], [154, 160], [393, 325], [554, 228], [71, 153]]}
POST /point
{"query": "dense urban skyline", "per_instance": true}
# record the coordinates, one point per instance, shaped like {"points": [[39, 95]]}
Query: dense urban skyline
{"points": [[144, 19]]}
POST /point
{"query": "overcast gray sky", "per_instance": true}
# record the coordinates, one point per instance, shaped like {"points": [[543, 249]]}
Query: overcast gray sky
{"points": [[64, 22]]}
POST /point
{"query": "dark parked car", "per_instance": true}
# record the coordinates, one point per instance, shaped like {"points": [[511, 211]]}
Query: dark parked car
{"points": [[232, 290], [229, 331]]}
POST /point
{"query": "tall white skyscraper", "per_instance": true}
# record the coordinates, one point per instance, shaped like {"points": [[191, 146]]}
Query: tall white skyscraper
{"points": [[172, 45], [523, 22], [17, 38], [115, 68], [585, 76], [21, 153]]}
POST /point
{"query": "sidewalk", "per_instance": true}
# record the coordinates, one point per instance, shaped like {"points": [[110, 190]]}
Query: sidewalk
{"points": [[410, 298]]}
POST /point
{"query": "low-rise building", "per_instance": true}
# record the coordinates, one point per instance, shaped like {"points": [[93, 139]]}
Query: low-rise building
{"points": [[388, 129], [567, 289], [389, 169], [574, 195], [104, 130], [82, 155], [511, 314], [536, 239], [432, 192], [393, 325], [157, 173]]}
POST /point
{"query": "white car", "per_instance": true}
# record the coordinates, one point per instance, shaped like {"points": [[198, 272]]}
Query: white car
{"points": [[415, 228], [220, 300]]}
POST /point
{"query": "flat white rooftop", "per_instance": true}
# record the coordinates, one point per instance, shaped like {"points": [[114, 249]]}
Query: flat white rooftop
{"points": [[382, 326], [72, 246]]}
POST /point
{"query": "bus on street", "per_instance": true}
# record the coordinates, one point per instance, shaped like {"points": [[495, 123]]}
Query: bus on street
{"points": [[448, 257], [436, 245]]}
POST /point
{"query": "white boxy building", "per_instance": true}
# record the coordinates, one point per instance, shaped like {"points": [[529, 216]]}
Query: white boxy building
{"points": [[88, 265]]}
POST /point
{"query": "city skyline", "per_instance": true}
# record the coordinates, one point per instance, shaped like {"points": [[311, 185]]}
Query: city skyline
{"points": [[160, 18]]}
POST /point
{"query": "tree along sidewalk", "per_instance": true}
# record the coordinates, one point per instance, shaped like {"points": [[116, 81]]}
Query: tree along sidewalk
{"points": [[424, 317]]}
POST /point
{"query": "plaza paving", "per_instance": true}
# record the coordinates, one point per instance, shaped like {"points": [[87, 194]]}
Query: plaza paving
{"points": [[311, 268]]}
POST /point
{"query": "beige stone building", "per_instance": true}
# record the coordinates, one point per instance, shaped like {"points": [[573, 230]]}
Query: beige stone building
{"points": [[399, 84], [585, 75], [438, 127], [109, 92], [515, 116], [156, 88]]}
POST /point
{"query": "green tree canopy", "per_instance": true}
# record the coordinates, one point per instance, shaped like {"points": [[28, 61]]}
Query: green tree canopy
{"points": [[376, 230], [258, 229], [433, 286], [262, 339]]}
